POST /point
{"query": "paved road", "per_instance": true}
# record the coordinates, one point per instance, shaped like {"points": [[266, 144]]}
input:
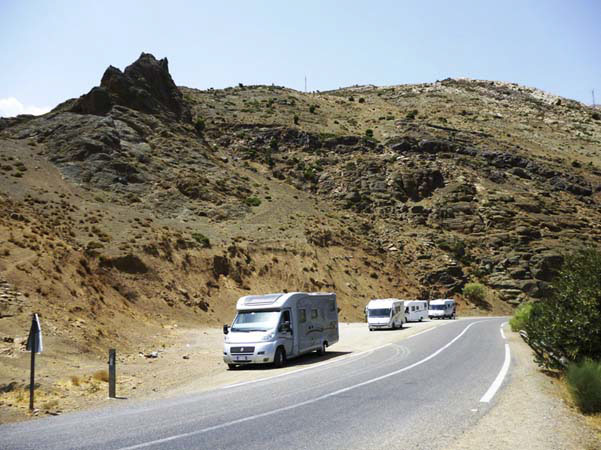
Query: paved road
{"points": [[419, 392]]}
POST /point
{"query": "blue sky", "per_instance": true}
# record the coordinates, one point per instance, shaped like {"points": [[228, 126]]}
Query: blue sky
{"points": [[51, 51]]}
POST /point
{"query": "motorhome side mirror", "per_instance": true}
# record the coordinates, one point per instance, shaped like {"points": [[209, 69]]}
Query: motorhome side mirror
{"points": [[226, 329], [285, 326]]}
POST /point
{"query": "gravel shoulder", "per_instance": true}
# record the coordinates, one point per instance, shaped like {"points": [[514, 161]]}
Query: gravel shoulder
{"points": [[530, 412]]}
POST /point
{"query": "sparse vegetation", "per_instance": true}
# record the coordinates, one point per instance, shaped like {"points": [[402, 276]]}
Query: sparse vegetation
{"points": [[568, 321], [252, 201], [520, 317], [476, 292], [411, 114], [202, 240], [101, 375], [199, 125], [584, 383]]}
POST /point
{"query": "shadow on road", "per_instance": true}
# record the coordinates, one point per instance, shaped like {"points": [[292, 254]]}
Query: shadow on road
{"points": [[304, 360]]}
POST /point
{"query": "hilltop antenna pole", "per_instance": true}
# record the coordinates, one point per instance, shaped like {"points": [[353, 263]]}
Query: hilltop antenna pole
{"points": [[593, 98], [306, 85]]}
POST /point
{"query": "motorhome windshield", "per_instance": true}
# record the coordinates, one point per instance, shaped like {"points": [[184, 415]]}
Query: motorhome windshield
{"points": [[378, 312], [255, 320], [435, 307]]}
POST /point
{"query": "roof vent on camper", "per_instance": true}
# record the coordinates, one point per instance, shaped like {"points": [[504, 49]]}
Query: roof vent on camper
{"points": [[255, 300]]}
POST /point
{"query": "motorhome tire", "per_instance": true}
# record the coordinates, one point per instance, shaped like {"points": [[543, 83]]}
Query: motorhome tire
{"points": [[279, 360], [322, 350]]}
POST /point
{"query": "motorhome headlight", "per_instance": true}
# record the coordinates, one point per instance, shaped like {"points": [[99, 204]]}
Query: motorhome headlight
{"points": [[269, 336]]}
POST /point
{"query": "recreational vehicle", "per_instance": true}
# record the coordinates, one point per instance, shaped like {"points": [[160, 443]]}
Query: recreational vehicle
{"points": [[385, 313], [416, 310], [443, 308], [272, 328]]}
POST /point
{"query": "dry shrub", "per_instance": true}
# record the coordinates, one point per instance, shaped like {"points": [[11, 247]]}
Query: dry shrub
{"points": [[51, 404], [101, 375], [75, 380]]}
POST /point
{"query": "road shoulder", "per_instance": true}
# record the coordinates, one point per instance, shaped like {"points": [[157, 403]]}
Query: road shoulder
{"points": [[529, 412]]}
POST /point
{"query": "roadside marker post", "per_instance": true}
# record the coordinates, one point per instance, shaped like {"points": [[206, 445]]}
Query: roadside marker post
{"points": [[112, 372], [34, 345]]}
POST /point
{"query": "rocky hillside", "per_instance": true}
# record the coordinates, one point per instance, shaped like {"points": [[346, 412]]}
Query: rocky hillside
{"points": [[142, 205]]}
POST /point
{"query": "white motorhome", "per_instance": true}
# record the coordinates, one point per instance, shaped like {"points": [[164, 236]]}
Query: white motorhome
{"points": [[272, 328], [416, 310], [442, 308], [385, 313]]}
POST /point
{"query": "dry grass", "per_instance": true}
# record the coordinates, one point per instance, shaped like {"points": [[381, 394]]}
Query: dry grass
{"points": [[101, 375], [51, 404]]}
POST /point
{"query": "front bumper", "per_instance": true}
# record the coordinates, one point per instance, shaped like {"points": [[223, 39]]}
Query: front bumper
{"points": [[263, 353], [380, 325]]}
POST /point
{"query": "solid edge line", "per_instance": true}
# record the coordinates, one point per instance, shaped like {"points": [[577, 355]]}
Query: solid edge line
{"points": [[494, 387], [307, 402]]}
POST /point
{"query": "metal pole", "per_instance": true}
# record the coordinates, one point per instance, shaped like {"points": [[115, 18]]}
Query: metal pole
{"points": [[112, 372], [32, 380]]}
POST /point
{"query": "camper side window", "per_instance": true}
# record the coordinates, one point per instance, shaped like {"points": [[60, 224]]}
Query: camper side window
{"points": [[332, 307], [314, 314], [303, 316]]}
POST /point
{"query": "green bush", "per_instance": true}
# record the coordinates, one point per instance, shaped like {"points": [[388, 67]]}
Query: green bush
{"points": [[475, 292], [369, 133], [596, 116], [312, 109], [568, 321], [253, 201], [584, 382], [296, 119], [201, 239], [199, 125], [520, 317], [361, 100], [411, 114]]}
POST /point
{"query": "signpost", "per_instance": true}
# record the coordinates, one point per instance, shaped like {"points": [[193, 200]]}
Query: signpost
{"points": [[112, 372], [34, 345]]}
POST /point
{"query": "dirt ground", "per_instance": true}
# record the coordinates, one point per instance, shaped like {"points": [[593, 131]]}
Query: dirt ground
{"points": [[532, 412]]}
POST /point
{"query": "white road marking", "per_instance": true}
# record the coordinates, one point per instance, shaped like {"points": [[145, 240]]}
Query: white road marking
{"points": [[501, 328], [307, 402], [494, 387]]}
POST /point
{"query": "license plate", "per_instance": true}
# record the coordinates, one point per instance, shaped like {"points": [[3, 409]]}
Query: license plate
{"points": [[241, 358]]}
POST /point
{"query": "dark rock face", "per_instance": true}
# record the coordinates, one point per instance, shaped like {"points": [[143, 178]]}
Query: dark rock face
{"points": [[419, 184], [145, 85]]}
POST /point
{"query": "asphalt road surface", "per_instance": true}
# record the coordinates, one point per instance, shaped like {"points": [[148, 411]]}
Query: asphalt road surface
{"points": [[420, 392]]}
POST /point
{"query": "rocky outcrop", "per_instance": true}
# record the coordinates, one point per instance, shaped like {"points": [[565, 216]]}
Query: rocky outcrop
{"points": [[145, 85]]}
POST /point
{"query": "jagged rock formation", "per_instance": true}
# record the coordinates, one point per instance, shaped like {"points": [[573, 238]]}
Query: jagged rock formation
{"points": [[145, 86]]}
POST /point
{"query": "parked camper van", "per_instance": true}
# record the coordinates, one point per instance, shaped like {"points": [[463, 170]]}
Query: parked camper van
{"points": [[385, 313], [442, 309], [416, 310], [272, 328]]}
